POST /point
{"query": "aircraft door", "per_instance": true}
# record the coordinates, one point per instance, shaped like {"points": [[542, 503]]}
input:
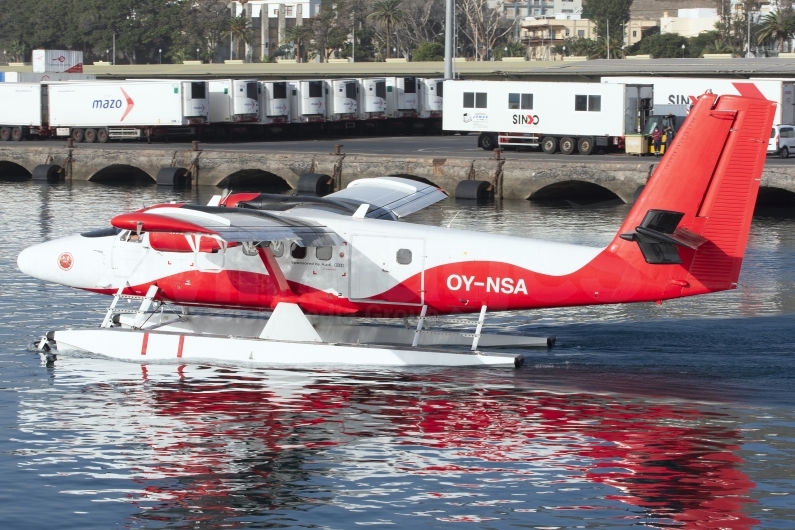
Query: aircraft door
{"points": [[128, 251], [388, 270]]}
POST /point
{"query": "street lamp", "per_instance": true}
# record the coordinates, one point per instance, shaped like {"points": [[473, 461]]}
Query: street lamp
{"points": [[197, 54], [564, 50], [160, 55], [683, 50]]}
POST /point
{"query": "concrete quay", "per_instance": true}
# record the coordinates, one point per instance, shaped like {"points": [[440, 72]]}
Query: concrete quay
{"points": [[526, 178]]}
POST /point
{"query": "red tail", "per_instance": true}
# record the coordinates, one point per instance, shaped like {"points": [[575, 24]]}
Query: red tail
{"points": [[689, 227]]}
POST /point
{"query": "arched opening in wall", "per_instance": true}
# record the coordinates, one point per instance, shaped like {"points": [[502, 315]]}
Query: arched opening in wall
{"points": [[122, 174], [12, 171], [414, 177], [772, 199], [255, 180], [576, 193]]}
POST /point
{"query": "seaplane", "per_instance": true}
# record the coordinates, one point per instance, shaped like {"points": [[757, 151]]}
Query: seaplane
{"points": [[316, 272]]}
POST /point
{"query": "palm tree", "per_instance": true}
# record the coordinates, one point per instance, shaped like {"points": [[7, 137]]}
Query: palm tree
{"points": [[300, 35], [600, 50], [387, 13], [718, 47], [775, 26], [239, 29]]}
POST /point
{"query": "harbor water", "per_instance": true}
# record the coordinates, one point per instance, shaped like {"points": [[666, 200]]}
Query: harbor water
{"points": [[679, 415]]}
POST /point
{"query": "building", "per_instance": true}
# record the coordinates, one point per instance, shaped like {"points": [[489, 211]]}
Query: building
{"points": [[689, 22], [540, 8], [270, 19], [542, 34]]}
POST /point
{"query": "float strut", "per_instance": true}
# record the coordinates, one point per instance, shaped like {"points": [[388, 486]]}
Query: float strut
{"points": [[479, 328], [420, 323], [106, 322]]}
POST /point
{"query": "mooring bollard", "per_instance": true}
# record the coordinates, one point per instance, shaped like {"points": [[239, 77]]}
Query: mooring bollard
{"points": [[497, 153], [70, 143], [195, 145], [338, 150]]}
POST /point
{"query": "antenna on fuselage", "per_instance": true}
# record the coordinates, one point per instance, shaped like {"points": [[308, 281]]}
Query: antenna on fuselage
{"points": [[453, 219]]}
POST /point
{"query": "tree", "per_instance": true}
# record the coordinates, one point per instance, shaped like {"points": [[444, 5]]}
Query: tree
{"points": [[718, 46], [300, 35], [778, 25], [578, 46], [696, 45], [485, 25], [424, 22], [388, 14], [428, 51], [514, 49], [663, 45], [615, 11], [239, 29]]}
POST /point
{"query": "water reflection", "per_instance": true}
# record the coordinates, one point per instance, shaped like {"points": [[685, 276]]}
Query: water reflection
{"points": [[222, 445]]}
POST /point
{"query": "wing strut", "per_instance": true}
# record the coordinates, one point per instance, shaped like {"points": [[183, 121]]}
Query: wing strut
{"points": [[275, 272]]}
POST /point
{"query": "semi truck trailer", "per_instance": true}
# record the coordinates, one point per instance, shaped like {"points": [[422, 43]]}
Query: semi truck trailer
{"points": [[569, 117]]}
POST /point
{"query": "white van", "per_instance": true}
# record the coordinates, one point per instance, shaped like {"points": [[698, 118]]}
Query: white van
{"points": [[782, 141]]}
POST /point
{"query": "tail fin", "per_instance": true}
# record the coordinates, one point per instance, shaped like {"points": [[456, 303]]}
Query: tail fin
{"points": [[696, 208]]}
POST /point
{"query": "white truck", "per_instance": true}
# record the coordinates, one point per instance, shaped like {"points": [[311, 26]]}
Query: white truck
{"points": [[580, 117], [94, 111], [677, 94], [234, 101]]}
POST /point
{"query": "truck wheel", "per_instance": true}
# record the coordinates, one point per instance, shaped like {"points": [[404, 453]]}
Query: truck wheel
{"points": [[784, 153], [567, 145], [90, 136], [78, 135], [488, 141], [585, 146], [102, 136], [549, 144], [16, 134], [5, 134]]}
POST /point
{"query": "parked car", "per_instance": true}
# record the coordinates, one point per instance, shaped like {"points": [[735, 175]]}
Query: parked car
{"points": [[782, 141]]}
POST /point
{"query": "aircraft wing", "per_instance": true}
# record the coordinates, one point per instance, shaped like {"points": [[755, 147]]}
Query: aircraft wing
{"points": [[231, 225], [391, 196]]}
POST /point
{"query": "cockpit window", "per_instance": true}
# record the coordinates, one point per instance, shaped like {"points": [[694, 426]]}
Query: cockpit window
{"points": [[102, 232]]}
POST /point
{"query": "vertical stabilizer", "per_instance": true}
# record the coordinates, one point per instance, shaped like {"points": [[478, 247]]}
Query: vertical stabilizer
{"points": [[689, 227]]}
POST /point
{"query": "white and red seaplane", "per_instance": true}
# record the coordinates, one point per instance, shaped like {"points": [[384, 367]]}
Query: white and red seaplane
{"points": [[317, 263]]}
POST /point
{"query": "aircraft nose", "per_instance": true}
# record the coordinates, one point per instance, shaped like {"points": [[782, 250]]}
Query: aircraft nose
{"points": [[30, 261]]}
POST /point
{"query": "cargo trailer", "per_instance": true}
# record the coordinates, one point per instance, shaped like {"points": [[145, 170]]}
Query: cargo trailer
{"points": [[431, 98], [677, 94], [234, 101], [21, 112], [57, 61], [581, 117], [274, 102], [103, 110], [371, 98], [401, 97], [38, 77], [341, 100], [307, 101]]}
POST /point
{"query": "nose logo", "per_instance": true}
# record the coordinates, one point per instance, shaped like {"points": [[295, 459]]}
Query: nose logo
{"points": [[65, 261]]}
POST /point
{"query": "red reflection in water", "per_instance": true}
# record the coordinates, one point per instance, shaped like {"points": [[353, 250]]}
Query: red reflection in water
{"points": [[672, 461]]}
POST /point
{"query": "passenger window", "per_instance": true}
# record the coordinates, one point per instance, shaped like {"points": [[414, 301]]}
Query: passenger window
{"points": [[787, 132], [481, 100], [527, 101], [773, 133], [404, 256], [277, 248], [513, 101], [580, 103], [594, 103], [323, 253], [297, 252], [469, 100]]}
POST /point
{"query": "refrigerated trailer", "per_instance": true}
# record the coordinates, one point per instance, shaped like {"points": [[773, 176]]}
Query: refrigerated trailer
{"points": [[234, 101], [274, 103], [677, 94], [341, 101], [371, 102], [401, 97], [102, 110], [307, 101], [571, 117]]}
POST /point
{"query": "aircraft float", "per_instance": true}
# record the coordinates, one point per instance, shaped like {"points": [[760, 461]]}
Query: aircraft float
{"points": [[318, 263]]}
